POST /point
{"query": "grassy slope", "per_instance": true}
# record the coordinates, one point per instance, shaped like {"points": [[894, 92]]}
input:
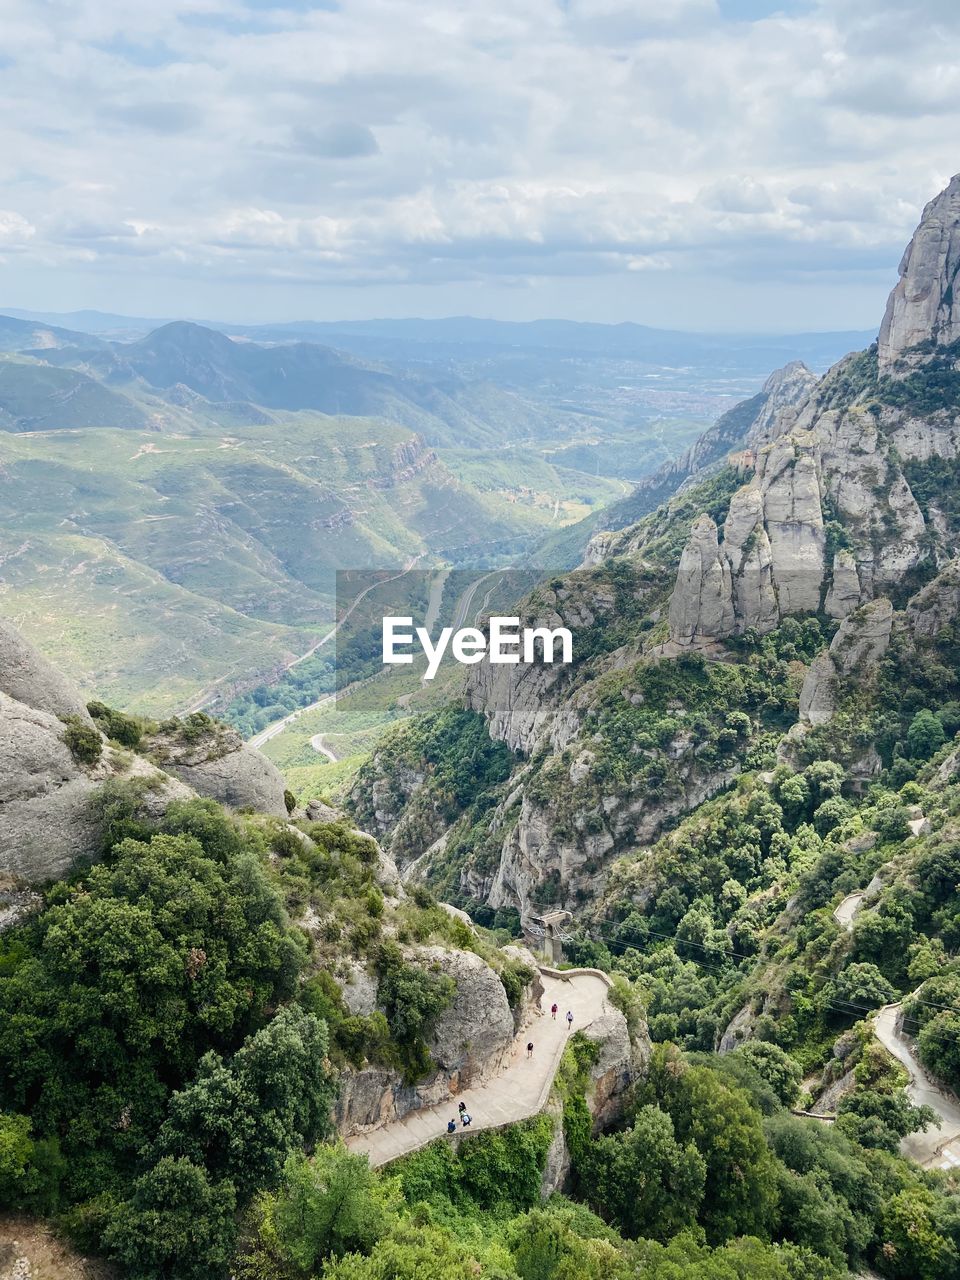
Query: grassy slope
{"points": [[150, 565]]}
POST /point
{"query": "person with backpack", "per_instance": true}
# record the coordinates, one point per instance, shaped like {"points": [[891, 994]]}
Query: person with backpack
{"points": [[465, 1119], [569, 1019], [451, 1126]]}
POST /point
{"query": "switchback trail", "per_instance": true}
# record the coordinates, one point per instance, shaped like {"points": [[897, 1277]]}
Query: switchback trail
{"points": [[939, 1147], [519, 1090]]}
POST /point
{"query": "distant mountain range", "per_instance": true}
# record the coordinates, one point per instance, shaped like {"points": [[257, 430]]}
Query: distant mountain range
{"points": [[761, 352], [181, 361]]}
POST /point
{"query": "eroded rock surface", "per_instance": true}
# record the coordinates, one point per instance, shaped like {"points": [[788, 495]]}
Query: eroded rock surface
{"points": [[215, 761], [28, 678], [855, 650], [924, 308]]}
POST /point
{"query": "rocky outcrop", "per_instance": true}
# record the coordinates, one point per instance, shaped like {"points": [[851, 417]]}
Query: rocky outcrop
{"points": [[30, 679], [854, 651], [923, 311], [48, 811], [746, 426], [838, 453], [937, 605], [521, 703], [784, 392], [214, 760], [621, 1062], [470, 1041], [549, 860], [845, 590], [701, 607], [771, 560]]}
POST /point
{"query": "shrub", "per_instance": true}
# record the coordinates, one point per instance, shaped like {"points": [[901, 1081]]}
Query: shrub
{"points": [[116, 725], [83, 739]]}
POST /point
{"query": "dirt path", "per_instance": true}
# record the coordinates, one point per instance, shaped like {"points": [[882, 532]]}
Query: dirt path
{"points": [[939, 1147], [519, 1090], [29, 1249]]}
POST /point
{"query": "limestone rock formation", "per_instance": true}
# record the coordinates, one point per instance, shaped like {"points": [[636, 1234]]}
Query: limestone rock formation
{"points": [[30, 679], [924, 308], [48, 812], [48, 796], [784, 392], [844, 594], [214, 760], [476, 1030], [771, 560], [470, 1041], [520, 703], [854, 651], [937, 605], [789, 479], [701, 607], [620, 1063], [746, 426]]}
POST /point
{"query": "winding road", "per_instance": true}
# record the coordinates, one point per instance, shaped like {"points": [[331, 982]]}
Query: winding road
{"points": [[519, 1090], [318, 744], [273, 730], [847, 909], [939, 1146]]}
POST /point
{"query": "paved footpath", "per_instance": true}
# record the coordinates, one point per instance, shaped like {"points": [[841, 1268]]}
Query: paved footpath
{"points": [[519, 1090], [939, 1146]]}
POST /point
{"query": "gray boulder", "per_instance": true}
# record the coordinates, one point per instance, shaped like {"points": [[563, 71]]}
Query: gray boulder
{"points": [[214, 760], [30, 679], [474, 1032], [48, 811]]}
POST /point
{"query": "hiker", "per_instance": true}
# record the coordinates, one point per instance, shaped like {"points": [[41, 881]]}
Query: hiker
{"points": [[462, 1107], [554, 1010], [466, 1120], [569, 1019], [530, 1049], [451, 1126]]}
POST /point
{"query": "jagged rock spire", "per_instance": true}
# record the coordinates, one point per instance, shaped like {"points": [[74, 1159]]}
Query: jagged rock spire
{"points": [[924, 308]]}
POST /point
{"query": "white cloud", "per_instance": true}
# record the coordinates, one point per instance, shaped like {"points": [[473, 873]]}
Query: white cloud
{"points": [[435, 143], [14, 229]]}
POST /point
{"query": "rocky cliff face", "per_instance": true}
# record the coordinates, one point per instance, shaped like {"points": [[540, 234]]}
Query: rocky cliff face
{"points": [[745, 427], [49, 790], [923, 311], [48, 811], [214, 760], [469, 1043], [855, 650], [840, 456], [844, 510], [521, 703], [30, 679]]}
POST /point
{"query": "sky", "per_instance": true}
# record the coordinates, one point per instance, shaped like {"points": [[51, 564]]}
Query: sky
{"points": [[694, 164]]}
